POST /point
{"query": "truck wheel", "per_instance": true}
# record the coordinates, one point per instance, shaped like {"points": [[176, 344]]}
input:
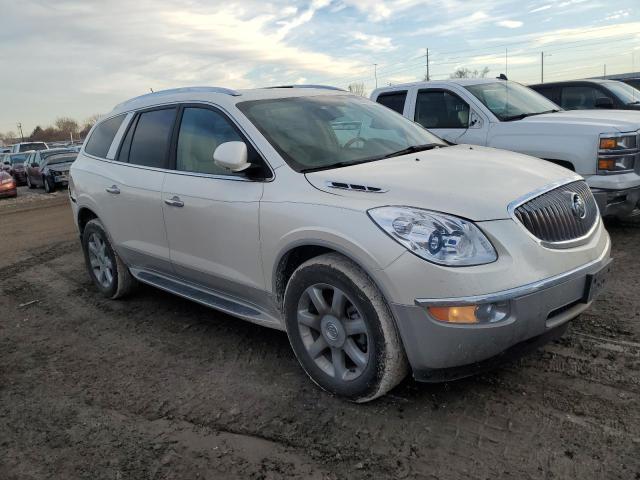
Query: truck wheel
{"points": [[341, 329], [107, 270]]}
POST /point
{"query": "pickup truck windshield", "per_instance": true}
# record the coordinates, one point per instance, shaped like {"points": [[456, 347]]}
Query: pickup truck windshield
{"points": [[511, 101], [626, 93], [330, 131]]}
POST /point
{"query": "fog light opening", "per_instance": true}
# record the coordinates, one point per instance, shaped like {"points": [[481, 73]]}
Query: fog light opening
{"points": [[471, 314]]}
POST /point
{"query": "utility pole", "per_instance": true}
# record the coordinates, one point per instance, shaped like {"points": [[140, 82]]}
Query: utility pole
{"points": [[541, 67], [20, 128], [605, 71], [428, 77], [375, 73]]}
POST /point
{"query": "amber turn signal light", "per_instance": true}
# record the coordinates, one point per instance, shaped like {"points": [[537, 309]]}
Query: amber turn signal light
{"points": [[608, 143], [606, 164], [460, 314]]}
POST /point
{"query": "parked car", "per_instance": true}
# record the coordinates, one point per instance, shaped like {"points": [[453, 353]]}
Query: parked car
{"points": [[5, 164], [7, 185], [13, 163], [590, 94], [49, 168], [602, 146], [28, 146], [374, 251]]}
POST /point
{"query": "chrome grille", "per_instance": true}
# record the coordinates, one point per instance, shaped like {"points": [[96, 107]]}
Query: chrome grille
{"points": [[554, 217]]}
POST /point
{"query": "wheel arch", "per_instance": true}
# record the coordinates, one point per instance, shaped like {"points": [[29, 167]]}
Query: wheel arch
{"points": [[85, 215]]}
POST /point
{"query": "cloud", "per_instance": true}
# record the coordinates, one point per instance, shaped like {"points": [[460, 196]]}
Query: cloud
{"points": [[509, 23], [373, 43], [470, 22]]}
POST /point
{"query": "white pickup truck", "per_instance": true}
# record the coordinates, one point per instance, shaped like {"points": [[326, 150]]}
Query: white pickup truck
{"points": [[602, 146]]}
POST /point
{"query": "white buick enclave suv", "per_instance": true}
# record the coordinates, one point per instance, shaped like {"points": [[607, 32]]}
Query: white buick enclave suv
{"points": [[375, 245]]}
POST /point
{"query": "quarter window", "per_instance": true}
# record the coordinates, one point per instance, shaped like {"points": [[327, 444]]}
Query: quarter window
{"points": [[441, 109], [393, 100], [102, 136], [150, 142], [201, 132]]}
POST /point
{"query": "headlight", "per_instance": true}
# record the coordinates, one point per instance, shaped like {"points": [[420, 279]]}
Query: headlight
{"points": [[617, 153], [436, 237]]}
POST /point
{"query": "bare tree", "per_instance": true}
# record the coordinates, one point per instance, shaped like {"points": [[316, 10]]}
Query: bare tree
{"points": [[357, 88], [465, 72], [67, 126]]}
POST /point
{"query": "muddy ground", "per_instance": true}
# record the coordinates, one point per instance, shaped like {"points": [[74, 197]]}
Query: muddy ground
{"points": [[155, 387]]}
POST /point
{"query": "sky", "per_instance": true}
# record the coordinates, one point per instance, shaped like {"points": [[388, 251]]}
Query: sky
{"points": [[77, 58]]}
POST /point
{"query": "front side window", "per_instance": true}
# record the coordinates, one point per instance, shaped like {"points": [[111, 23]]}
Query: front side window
{"points": [[579, 97], [100, 140], [328, 131], [625, 93], [201, 132], [510, 100], [393, 100], [441, 109], [150, 141]]}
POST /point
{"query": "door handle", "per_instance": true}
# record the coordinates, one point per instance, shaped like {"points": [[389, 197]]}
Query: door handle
{"points": [[174, 201], [113, 189]]}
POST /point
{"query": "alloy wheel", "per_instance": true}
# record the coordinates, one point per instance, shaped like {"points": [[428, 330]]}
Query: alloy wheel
{"points": [[333, 332], [99, 259]]}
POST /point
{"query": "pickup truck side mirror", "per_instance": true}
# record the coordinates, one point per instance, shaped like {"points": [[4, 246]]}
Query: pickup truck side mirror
{"points": [[232, 156], [604, 102]]}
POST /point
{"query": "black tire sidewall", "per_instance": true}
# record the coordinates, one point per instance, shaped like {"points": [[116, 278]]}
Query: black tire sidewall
{"points": [[46, 184], [369, 380], [96, 227]]}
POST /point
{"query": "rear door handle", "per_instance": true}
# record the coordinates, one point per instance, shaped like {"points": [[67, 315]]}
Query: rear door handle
{"points": [[113, 189], [174, 201]]}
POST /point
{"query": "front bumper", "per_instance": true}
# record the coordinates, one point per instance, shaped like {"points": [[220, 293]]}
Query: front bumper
{"points": [[438, 350], [618, 203]]}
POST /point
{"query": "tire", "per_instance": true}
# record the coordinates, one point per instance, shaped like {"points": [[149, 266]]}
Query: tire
{"points": [[359, 319], [29, 184], [48, 188], [108, 272]]}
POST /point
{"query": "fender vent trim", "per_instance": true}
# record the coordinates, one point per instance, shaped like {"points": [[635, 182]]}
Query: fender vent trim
{"points": [[355, 187]]}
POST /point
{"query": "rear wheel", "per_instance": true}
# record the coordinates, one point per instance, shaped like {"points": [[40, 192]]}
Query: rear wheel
{"points": [[48, 184], [29, 184], [107, 270], [341, 329]]}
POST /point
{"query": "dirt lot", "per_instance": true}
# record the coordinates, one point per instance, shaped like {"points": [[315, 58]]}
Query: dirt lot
{"points": [[155, 387]]}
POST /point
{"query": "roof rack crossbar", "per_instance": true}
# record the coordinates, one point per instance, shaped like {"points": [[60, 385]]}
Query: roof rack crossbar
{"points": [[322, 87]]}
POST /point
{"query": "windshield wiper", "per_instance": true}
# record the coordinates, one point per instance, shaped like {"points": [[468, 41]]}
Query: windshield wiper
{"points": [[413, 149], [520, 116]]}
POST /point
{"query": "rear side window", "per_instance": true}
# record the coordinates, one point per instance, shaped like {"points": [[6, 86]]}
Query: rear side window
{"points": [[393, 100], [151, 138], [579, 97], [25, 147], [100, 140], [552, 93], [441, 109]]}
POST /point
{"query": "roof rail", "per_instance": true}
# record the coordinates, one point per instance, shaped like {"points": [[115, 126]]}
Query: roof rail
{"points": [[322, 87], [171, 91]]}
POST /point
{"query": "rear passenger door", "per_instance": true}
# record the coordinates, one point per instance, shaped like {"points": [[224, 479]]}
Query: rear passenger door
{"points": [[131, 187], [447, 115], [212, 214]]}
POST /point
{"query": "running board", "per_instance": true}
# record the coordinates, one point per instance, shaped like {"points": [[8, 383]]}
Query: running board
{"points": [[207, 298]]}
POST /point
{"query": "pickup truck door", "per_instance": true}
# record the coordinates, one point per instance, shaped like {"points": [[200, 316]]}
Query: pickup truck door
{"points": [[449, 116]]}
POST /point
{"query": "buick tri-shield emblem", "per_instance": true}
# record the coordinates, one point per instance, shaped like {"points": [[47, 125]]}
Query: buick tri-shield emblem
{"points": [[578, 207]]}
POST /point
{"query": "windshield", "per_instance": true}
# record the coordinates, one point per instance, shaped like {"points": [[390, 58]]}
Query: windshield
{"points": [[60, 158], [25, 147], [327, 131], [626, 93], [510, 100]]}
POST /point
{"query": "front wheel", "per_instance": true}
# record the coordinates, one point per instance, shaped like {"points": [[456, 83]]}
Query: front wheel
{"points": [[48, 186], [107, 270], [341, 329], [29, 184]]}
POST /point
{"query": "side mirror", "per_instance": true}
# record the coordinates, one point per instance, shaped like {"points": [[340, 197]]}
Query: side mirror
{"points": [[7, 163], [232, 156], [604, 102], [34, 165]]}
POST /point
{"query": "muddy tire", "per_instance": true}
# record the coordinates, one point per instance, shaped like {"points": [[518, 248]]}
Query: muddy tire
{"points": [[342, 330], [108, 272]]}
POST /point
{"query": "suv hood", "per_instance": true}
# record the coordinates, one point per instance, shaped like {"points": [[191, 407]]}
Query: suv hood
{"points": [[603, 120], [473, 182]]}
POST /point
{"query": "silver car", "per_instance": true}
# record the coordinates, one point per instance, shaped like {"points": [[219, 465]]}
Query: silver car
{"points": [[375, 245]]}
